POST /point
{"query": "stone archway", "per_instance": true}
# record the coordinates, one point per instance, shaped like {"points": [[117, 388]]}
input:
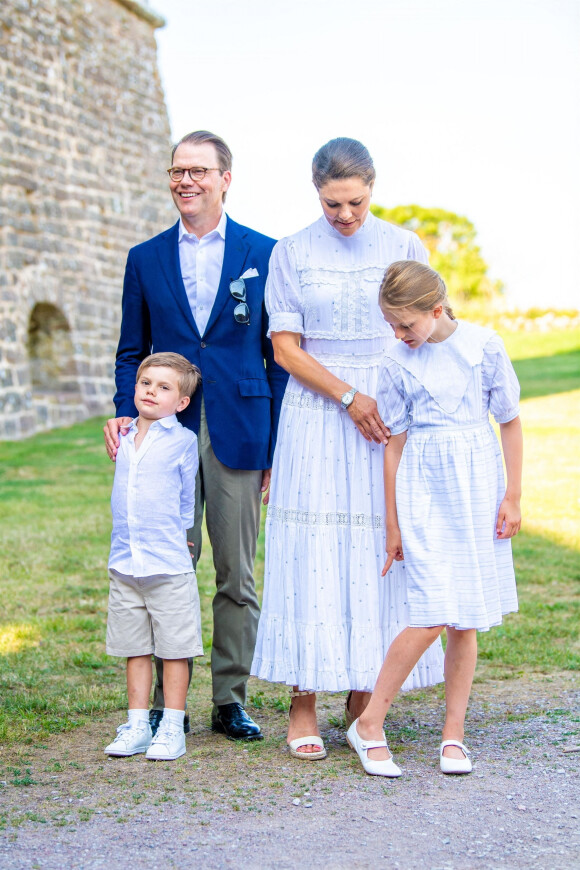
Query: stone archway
{"points": [[53, 372]]}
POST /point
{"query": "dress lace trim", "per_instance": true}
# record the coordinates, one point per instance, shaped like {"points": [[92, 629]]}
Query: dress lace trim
{"points": [[349, 360], [331, 518], [282, 321], [327, 273], [312, 402]]}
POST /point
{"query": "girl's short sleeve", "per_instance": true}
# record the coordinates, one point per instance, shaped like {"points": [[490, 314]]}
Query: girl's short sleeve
{"points": [[391, 402], [283, 296], [500, 381]]}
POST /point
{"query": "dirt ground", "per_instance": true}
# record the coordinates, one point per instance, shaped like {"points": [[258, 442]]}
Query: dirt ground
{"points": [[63, 804]]}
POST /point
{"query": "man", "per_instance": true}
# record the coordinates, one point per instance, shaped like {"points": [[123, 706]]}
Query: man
{"points": [[198, 289]]}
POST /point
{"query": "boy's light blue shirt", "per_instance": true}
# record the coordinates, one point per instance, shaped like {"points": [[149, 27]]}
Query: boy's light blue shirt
{"points": [[153, 500]]}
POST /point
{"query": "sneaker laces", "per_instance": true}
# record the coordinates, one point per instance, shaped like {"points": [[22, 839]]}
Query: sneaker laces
{"points": [[126, 726], [167, 731]]}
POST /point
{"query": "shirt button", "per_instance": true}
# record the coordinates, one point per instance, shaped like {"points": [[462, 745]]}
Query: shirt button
{"points": [[203, 344]]}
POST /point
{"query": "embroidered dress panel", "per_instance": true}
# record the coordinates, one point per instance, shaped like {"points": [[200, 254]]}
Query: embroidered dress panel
{"points": [[450, 481], [328, 617]]}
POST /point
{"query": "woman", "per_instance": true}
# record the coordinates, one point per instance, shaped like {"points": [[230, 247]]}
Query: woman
{"points": [[328, 617]]}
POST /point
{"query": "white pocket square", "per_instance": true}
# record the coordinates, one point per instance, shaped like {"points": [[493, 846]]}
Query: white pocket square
{"points": [[250, 273]]}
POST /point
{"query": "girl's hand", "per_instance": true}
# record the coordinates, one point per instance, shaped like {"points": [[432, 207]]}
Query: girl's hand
{"points": [[364, 413], [509, 518], [394, 549]]}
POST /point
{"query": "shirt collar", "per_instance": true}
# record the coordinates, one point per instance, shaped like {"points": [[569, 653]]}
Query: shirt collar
{"points": [[164, 422], [220, 230]]}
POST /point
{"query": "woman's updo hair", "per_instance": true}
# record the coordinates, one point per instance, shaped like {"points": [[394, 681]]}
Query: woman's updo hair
{"points": [[409, 284], [342, 158]]}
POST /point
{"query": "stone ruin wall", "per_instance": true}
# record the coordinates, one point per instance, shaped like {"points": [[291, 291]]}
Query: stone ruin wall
{"points": [[84, 140]]}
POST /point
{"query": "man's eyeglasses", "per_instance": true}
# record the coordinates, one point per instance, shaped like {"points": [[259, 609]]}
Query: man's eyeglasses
{"points": [[196, 173], [241, 311]]}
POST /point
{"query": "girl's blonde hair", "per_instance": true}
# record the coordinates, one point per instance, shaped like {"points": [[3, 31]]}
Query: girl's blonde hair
{"points": [[409, 284]]}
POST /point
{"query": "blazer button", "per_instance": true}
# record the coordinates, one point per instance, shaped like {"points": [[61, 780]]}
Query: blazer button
{"points": [[203, 344]]}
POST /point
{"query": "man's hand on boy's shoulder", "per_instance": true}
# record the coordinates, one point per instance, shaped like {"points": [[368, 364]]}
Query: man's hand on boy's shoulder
{"points": [[111, 429]]}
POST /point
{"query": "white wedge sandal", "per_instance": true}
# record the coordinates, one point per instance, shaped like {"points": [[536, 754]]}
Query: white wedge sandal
{"points": [[312, 740]]}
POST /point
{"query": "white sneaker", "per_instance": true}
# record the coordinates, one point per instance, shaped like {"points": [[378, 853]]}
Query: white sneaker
{"points": [[130, 739], [168, 743]]}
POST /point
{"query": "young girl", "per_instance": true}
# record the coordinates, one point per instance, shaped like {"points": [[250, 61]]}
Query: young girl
{"points": [[449, 514]]}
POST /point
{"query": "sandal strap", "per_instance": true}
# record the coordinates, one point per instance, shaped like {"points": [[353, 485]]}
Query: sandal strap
{"points": [[312, 740], [299, 694], [457, 743]]}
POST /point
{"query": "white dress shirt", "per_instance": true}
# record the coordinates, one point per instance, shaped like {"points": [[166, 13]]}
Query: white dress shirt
{"points": [[201, 268], [153, 500]]}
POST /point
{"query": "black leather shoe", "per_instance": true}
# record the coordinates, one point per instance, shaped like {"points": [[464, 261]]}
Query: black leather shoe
{"points": [[233, 721], [155, 717]]}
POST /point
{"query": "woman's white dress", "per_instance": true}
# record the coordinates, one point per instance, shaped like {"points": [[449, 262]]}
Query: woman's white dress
{"points": [[328, 617], [450, 480]]}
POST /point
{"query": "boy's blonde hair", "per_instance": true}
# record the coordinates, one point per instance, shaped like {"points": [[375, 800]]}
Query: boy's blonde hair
{"points": [[189, 375], [409, 284]]}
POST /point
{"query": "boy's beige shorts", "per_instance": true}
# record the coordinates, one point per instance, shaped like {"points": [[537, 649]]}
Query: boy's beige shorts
{"points": [[157, 615]]}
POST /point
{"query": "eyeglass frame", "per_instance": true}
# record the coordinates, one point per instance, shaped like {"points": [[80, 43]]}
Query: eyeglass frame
{"points": [[241, 310], [189, 170]]}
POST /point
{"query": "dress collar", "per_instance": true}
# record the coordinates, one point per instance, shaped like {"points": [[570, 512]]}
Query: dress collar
{"points": [[334, 233], [444, 368]]}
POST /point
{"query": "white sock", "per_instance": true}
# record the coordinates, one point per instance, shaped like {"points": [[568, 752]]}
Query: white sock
{"points": [[173, 717], [138, 717]]}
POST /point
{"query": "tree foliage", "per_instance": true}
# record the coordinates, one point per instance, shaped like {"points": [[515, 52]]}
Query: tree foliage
{"points": [[453, 251]]}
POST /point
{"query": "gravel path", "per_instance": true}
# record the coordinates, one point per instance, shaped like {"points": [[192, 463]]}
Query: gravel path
{"points": [[64, 805]]}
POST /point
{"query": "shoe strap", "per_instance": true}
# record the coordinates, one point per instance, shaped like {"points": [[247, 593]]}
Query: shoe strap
{"points": [[311, 740], [372, 744], [455, 743], [299, 694]]}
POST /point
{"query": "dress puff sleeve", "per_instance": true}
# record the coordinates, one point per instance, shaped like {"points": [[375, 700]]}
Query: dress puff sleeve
{"points": [[500, 381], [416, 250], [284, 297], [391, 402]]}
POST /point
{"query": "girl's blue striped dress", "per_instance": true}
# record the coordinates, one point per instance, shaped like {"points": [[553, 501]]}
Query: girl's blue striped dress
{"points": [[450, 480]]}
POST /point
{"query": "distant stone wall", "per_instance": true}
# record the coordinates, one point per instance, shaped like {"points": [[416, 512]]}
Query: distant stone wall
{"points": [[84, 141]]}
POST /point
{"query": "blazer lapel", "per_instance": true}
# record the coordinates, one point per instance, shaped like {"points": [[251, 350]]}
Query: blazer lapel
{"points": [[170, 266], [235, 254]]}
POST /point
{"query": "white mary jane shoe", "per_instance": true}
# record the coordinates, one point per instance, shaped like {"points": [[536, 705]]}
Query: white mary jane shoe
{"points": [[454, 765], [361, 747]]}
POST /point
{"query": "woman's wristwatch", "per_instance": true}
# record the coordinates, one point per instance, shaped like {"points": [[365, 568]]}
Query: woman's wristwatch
{"points": [[346, 399]]}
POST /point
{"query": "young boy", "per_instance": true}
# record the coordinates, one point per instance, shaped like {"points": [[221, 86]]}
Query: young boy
{"points": [[153, 597]]}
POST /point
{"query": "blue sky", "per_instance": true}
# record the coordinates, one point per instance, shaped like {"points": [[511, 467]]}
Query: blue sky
{"points": [[466, 105]]}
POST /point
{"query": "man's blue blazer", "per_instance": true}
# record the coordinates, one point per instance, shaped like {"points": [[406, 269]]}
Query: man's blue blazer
{"points": [[242, 386]]}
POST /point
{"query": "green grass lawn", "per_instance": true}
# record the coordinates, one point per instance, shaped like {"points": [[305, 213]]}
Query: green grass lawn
{"points": [[54, 514]]}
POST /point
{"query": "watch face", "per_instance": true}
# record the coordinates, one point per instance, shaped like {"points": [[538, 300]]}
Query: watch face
{"points": [[347, 399]]}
